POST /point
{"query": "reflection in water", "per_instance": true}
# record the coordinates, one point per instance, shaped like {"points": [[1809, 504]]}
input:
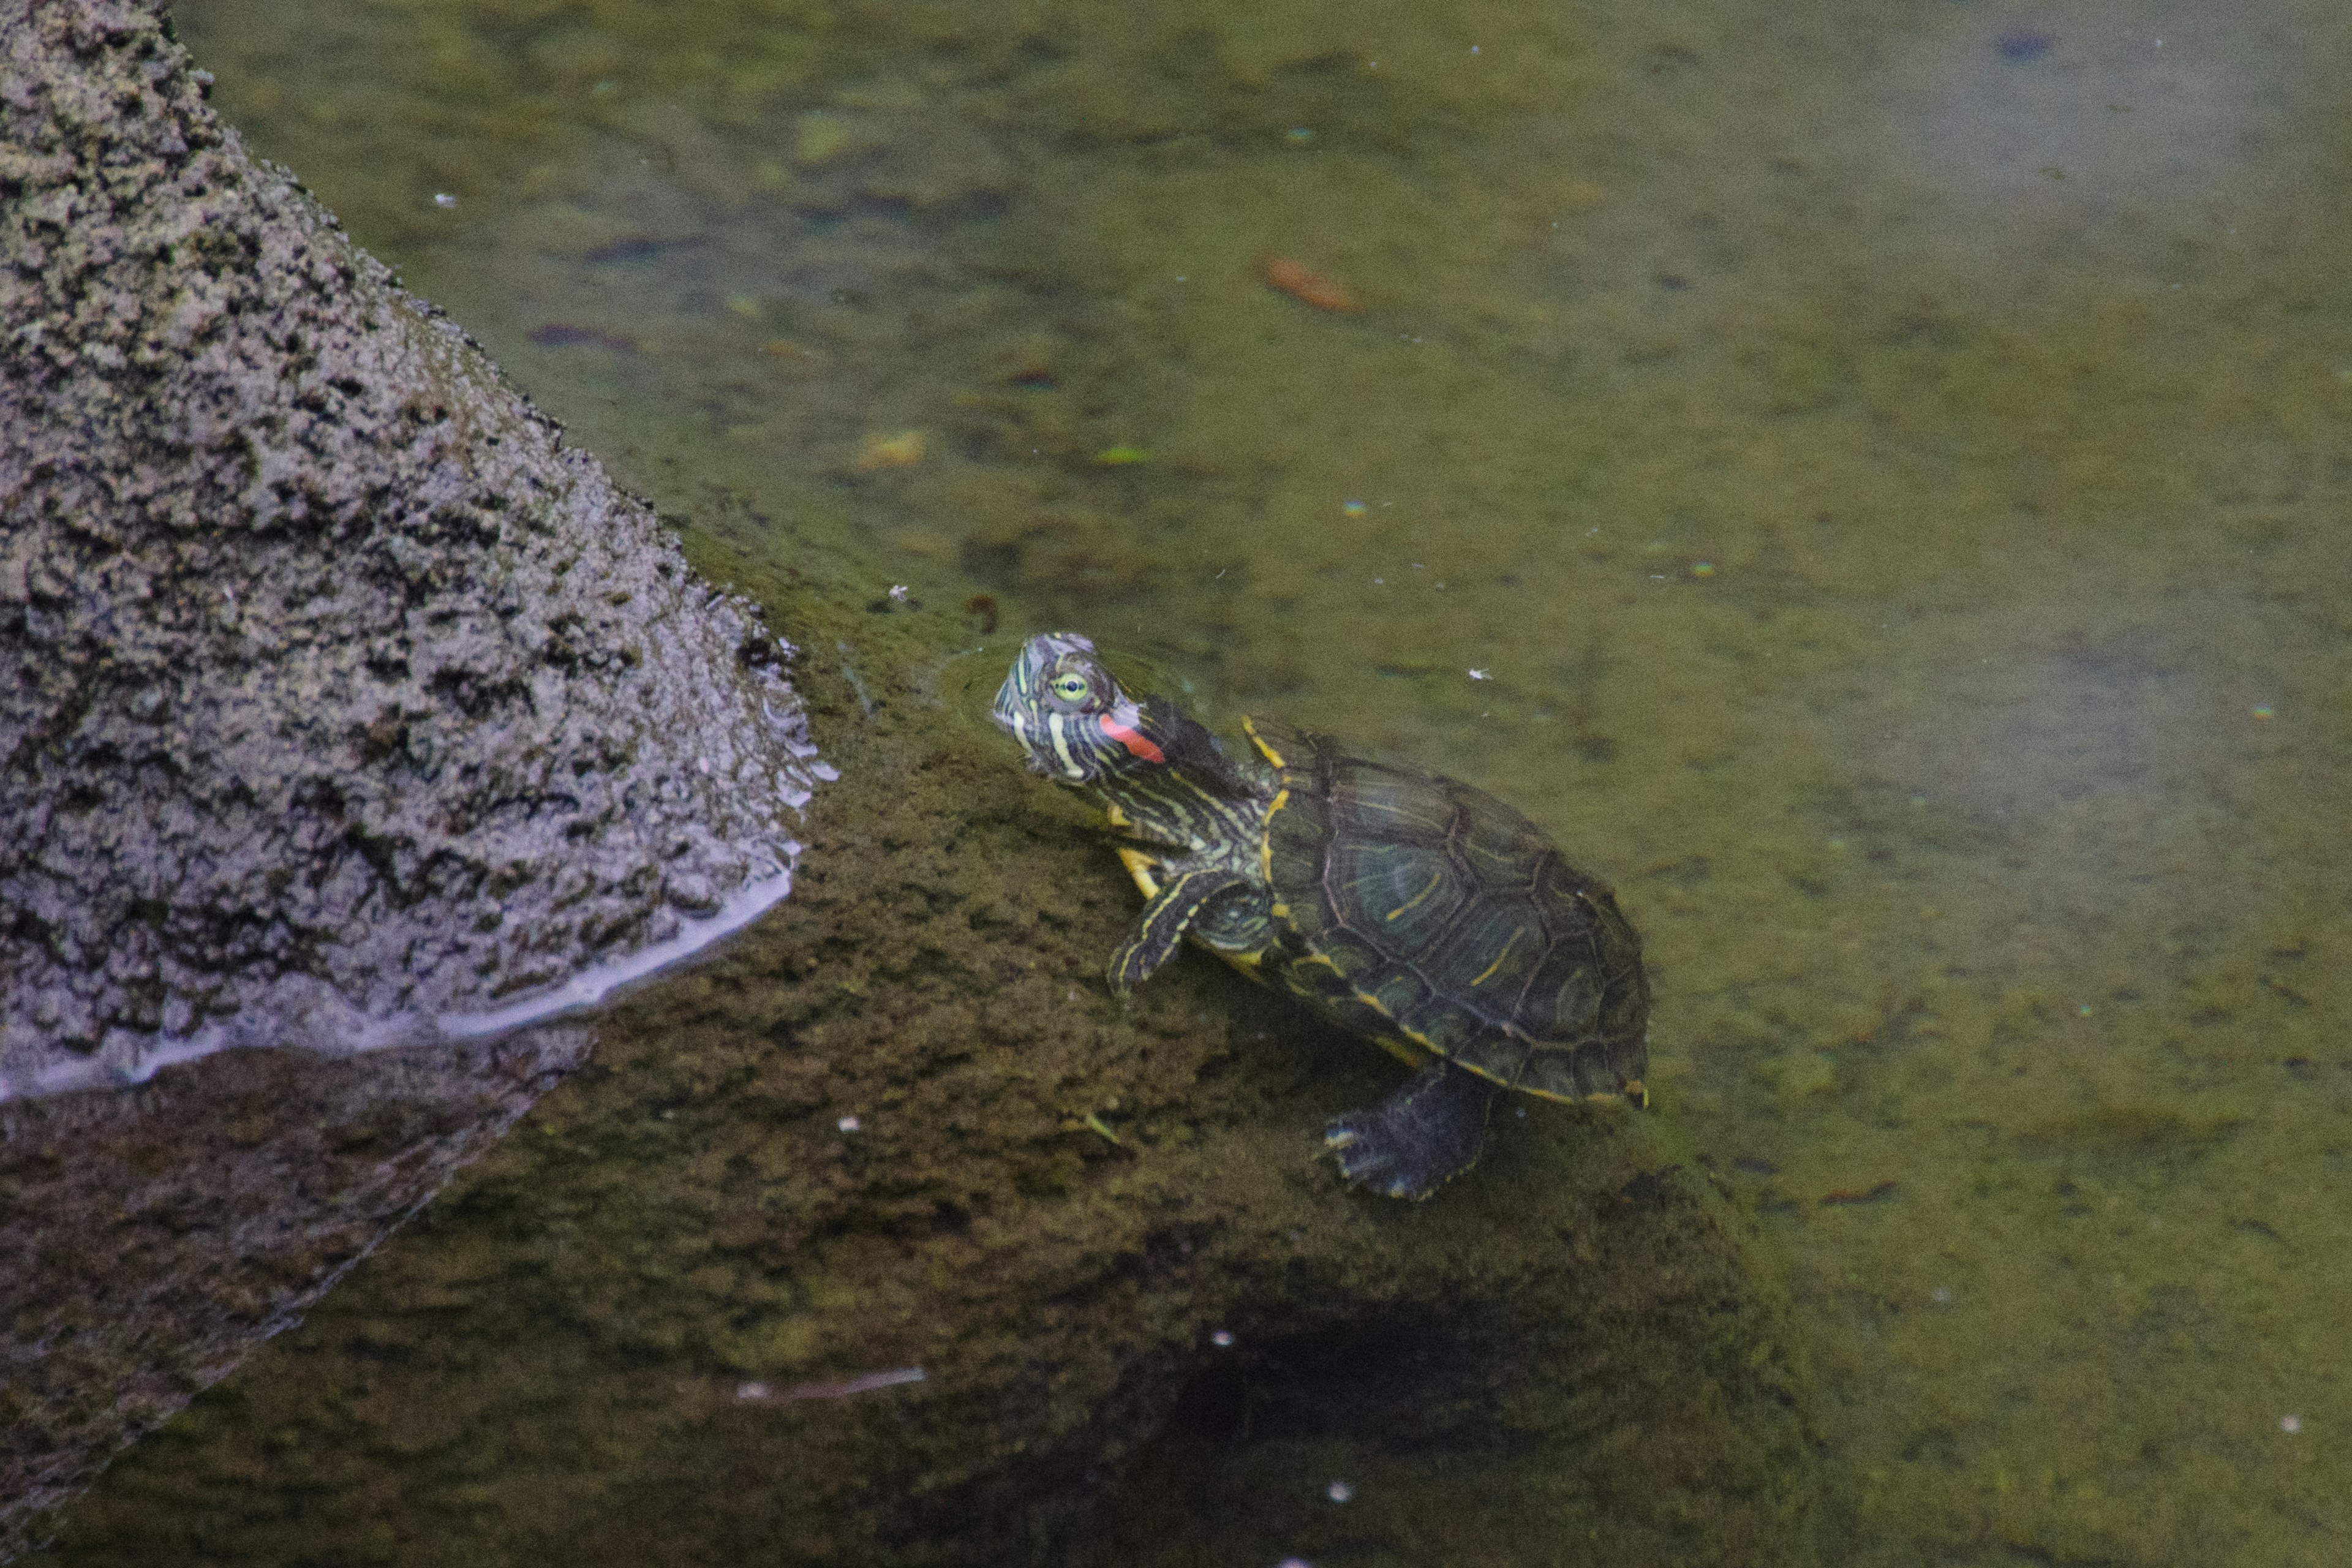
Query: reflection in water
{"points": [[2094, 132], [156, 1235], [1870, 484]]}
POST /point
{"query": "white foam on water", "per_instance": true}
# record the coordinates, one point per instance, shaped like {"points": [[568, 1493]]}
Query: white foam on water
{"points": [[590, 986], [303, 1011]]}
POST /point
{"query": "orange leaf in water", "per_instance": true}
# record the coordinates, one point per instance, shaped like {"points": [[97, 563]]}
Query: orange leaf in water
{"points": [[1303, 283]]}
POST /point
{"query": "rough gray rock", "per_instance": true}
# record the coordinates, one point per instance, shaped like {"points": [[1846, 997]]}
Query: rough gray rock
{"points": [[341, 703]]}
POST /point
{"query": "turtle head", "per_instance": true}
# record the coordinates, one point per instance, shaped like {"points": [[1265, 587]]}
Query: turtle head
{"points": [[1075, 721]]}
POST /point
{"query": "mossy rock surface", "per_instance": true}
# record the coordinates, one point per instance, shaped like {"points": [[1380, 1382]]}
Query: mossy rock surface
{"points": [[1567, 1345]]}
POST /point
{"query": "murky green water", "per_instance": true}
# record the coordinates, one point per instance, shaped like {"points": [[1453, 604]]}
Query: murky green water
{"points": [[1873, 479]]}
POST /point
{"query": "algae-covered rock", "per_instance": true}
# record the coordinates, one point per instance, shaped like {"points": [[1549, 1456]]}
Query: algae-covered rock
{"points": [[154, 1236], [341, 703], [902, 1127]]}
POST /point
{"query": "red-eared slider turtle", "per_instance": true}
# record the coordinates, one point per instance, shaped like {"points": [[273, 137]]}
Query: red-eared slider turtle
{"points": [[1411, 908]]}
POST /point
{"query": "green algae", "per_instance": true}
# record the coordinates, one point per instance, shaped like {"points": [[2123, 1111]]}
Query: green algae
{"points": [[1979, 800], [857, 1142]]}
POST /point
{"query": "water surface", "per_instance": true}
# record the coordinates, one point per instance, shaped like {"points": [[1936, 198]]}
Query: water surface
{"points": [[1872, 481]]}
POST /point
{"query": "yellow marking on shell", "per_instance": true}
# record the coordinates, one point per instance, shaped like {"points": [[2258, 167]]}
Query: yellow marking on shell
{"points": [[1435, 878], [1526, 1088], [1516, 931], [1249, 727], [1143, 869], [1265, 836], [1279, 911], [1632, 1091], [1415, 1035], [1377, 1006], [1118, 818]]}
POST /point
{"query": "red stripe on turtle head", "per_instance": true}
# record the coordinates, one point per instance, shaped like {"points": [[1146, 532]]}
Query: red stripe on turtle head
{"points": [[1136, 742]]}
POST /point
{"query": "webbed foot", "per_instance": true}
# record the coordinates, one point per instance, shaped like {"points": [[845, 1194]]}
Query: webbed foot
{"points": [[1417, 1138]]}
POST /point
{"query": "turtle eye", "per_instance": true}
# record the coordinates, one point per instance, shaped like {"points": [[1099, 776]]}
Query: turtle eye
{"points": [[1073, 688]]}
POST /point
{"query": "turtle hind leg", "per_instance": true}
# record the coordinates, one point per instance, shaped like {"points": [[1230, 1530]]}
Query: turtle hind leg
{"points": [[1417, 1138]]}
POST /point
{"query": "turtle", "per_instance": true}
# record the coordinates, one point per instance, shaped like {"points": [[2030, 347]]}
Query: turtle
{"points": [[1408, 908]]}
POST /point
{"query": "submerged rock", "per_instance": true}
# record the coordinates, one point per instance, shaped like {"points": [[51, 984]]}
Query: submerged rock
{"points": [[341, 703], [153, 1236], [902, 1128]]}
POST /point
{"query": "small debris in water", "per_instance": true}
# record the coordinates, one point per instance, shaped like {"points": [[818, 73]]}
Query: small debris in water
{"points": [[1223, 1339], [848, 1124], [901, 449], [1096, 1123], [1878, 1193], [1340, 1492], [640, 247], [827, 1388], [564, 335], [1294, 1563], [2289, 1423], [1941, 1295], [2020, 43], [444, 200], [1352, 507], [1308, 286], [2265, 712], [1480, 675], [898, 592]]}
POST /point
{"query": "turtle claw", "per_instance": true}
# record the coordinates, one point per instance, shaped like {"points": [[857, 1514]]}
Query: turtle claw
{"points": [[1419, 1138], [1367, 1159]]}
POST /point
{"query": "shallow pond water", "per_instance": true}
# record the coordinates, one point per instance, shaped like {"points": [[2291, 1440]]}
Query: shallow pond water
{"points": [[1871, 480]]}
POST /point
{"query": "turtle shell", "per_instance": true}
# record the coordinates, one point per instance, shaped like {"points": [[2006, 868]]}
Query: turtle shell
{"points": [[1429, 914]]}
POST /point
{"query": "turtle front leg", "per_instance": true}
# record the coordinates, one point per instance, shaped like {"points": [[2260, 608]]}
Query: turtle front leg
{"points": [[1164, 922], [1419, 1138]]}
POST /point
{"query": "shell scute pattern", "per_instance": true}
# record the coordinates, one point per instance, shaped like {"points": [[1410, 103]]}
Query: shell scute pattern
{"points": [[1566, 986], [1443, 914], [1412, 893], [1497, 841]]}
